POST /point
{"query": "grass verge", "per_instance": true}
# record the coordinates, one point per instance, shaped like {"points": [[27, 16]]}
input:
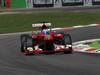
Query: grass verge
{"points": [[22, 22], [95, 44]]}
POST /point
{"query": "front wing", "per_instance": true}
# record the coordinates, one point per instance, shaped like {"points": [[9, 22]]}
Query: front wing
{"points": [[37, 51]]}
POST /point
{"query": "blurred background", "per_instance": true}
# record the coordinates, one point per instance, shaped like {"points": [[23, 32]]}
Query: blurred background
{"points": [[46, 3]]}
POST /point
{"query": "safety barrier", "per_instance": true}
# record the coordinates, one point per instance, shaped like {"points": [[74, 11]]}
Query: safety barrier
{"points": [[46, 3]]}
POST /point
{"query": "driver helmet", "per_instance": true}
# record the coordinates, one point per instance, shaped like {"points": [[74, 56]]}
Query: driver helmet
{"points": [[45, 31]]}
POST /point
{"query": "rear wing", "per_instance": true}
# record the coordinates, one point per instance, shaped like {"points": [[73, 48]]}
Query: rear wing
{"points": [[41, 24]]}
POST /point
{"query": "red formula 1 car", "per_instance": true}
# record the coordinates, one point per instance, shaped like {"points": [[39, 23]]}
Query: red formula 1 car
{"points": [[45, 41]]}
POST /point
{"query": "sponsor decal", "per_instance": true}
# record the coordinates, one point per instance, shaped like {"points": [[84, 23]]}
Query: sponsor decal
{"points": [[72, 1], [41, 24], [43, 1]]}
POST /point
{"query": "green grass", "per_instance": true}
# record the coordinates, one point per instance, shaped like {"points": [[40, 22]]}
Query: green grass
{"points": [[95, 44], [22, 22]]}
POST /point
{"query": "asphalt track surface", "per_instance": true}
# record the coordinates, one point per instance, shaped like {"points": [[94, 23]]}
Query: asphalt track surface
{"points": [[13, 62]]}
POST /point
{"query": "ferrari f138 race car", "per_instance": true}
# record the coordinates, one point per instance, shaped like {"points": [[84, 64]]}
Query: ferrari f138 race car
{"points": [[45, 41]]}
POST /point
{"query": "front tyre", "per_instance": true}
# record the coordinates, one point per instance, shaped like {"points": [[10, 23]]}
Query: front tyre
{"points": [[68, 51], [26, 41], [68, 44]]}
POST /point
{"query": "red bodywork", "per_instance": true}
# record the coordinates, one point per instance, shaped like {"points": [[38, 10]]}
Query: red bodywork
{"points": [[47, 39]]}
